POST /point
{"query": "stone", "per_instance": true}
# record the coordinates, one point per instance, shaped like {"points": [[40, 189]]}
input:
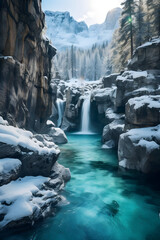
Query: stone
{"points": [[110, 80], [146, 56], [143, 111], [135, 84], [37, 155], [9, 170], [111, 133], [139, 149], [25, 64]]}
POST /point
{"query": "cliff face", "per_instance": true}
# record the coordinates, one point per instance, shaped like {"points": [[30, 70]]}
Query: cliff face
{"points": [[25, 64]]}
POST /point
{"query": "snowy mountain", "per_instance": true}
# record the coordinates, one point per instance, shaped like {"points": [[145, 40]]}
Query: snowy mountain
{"points": [[64, 31]]}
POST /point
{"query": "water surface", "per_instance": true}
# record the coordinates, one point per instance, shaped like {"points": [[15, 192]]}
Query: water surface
{"points": [[102, 202]]}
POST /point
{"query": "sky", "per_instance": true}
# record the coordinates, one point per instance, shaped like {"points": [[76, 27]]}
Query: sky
{"points": [[90, 11]]}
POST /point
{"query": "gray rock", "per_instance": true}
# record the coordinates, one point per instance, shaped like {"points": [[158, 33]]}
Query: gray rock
{"points": [[140, 149], [10, 169], [109, 80], [135, 84], [110, 115], [146, 56], [111, 132], [143, 110], [25, 65], [37, 155]]}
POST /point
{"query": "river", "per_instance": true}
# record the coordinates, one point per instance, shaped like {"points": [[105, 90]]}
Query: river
{"points": [[101, 202]]}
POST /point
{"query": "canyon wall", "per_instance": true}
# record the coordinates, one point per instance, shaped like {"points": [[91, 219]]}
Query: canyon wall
{"points": [[25, 64]]}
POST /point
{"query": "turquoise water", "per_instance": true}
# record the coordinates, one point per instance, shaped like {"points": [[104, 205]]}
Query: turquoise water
{"points": [[102, 201]]}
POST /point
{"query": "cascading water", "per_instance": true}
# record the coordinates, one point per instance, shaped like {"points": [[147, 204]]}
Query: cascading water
{"points": [[85, 116], [60, 108]]}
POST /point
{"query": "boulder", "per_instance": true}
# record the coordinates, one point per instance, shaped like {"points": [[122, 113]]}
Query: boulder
{"points": [[135, 84], [37, 156], [140, 149], [143, 110], [109, 80], [111, 133], [110, 115], [9, 170], [146, 56], [55, 135], [104, 98], [35, 198]]}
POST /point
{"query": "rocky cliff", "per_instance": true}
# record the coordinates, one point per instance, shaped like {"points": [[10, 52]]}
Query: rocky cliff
{"points": [[25, 64]]}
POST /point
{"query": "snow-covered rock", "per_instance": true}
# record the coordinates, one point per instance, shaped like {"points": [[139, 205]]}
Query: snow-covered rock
{"points": [[37, 157], [110, 115], [104, 98], [26, 200], [111, 133], [140, 149], [9, 169], [109, 80], [135, 84], [64, 31], [146, 56], [55, 135], [144, 110]]}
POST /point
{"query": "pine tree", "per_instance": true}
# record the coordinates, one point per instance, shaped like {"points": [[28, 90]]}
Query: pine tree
{"points": [[126, 24]]}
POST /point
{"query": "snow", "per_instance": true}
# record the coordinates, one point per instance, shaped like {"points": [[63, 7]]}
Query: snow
{"points": [[123, 163], [16, 136], [144, 133], [108, 145], [149, 145], [64, 31], [78, 82], [18, 198], [151, 101], [49, 122], [3, 122], [152, 42], [9, 164], [6, 57], [146, 137], [131, 75]]}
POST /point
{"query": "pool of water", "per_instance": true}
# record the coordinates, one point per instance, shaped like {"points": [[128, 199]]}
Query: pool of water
{"points": [[102, 202]]}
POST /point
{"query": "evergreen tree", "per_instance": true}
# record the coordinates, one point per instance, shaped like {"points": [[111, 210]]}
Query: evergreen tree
{"points": [[126, 24]]}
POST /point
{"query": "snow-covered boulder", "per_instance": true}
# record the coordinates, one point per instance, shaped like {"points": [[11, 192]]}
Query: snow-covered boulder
{"points": [[135, 84], [146, 56], [37, 157], [109, 80], [110, 115], [56, 135], [51, 133], [26, 200], [104, 98], [111, 133], [143, 110], [140, 149], [9, 170]]}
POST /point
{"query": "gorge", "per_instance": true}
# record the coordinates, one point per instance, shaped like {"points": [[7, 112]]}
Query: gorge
{"points": [[78, 159]]}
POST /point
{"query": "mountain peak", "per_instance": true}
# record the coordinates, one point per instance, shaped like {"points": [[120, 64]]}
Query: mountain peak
{"points": [[65, 31]]}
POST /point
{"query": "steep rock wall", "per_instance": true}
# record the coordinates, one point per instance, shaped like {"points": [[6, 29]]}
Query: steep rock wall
{"points": [[25, 64]]}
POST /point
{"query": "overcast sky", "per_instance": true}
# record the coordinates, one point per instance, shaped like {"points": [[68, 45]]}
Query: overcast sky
{"points": [[90, 11]]}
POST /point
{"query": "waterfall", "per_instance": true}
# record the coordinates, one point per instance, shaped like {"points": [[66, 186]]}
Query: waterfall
{"points": [[60, 108], [85, 117]]}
